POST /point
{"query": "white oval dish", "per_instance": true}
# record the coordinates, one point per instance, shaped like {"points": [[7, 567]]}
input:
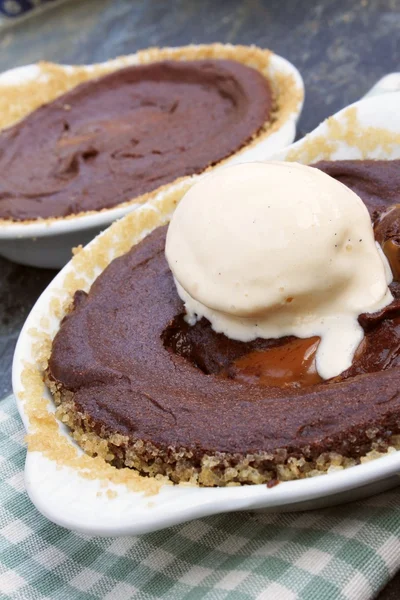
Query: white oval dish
{"points": [[48, 243], [369, 128]]}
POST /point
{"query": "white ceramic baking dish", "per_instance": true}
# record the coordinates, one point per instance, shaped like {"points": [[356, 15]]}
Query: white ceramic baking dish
{"points": [[48, 243], [69, 493]]}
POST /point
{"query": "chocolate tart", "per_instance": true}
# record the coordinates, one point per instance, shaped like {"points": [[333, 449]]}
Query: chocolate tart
{"points": [[100, 138], [140, 388]]}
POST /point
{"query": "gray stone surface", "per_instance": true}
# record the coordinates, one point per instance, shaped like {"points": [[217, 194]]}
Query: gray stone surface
{"points": [[342, 47]]}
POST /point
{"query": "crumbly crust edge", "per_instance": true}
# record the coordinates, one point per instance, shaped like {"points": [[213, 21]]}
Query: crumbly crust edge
{"points": [[220, 469]]}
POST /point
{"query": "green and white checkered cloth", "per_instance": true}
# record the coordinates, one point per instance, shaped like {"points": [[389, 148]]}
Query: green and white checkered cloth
{"points": [[333, 554]]}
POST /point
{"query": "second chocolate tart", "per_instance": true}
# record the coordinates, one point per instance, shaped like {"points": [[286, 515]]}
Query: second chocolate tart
{"points": [[115, 138]]}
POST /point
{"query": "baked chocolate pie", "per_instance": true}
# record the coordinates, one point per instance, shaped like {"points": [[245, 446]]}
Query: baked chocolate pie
{"points": [[113, 139], [152, 392]]}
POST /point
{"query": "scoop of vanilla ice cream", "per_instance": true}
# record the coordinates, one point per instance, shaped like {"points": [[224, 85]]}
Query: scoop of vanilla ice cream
{"points": [[276, 248]]}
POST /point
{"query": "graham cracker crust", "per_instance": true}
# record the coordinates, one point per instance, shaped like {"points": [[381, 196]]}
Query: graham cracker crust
{"points": [[181, 465]]}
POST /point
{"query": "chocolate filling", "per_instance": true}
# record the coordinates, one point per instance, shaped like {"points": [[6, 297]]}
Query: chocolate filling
{"points": [[115, 138], [135, 367]]}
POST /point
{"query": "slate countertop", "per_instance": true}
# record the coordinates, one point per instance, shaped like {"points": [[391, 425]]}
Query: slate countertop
{"points": [[341, 47]]}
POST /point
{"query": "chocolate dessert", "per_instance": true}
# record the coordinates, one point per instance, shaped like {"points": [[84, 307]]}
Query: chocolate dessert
{"points": [[115, 138], [165, 397]]}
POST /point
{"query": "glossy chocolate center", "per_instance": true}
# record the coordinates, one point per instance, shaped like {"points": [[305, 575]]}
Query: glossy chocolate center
{"points": [[291, 364]]}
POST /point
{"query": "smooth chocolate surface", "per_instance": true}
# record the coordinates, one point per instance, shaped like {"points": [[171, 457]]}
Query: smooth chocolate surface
{"points": [[138, 369], [377, 182], [110, 140]]}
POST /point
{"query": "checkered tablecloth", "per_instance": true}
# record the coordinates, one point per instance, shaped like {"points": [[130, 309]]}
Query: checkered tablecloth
{"points": [[332, 554]]}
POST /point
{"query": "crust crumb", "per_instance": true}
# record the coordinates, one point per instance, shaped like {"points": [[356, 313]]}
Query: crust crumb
{"points": [[365, 142]]}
